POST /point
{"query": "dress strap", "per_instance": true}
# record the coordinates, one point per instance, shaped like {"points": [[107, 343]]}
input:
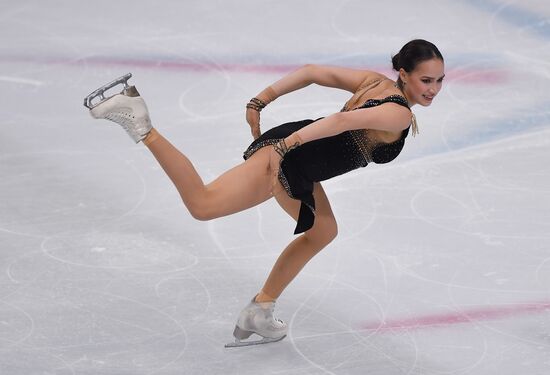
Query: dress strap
{"points": [[365, 86], [397, 99]]}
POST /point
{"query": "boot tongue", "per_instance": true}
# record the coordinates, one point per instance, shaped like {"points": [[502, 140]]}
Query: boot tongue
{"points": [[266, 305]]}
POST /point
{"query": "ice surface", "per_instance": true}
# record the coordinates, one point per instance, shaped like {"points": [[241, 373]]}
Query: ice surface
{"points": [[442, 264]]}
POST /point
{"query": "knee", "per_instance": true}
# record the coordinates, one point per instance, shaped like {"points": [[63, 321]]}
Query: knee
{"points": [[324, 232], [200, 215], [201, 212], [331, 231]]}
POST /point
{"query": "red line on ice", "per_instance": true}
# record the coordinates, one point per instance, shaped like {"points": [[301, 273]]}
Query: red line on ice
{"points": [[466, 316], [463, 75]]}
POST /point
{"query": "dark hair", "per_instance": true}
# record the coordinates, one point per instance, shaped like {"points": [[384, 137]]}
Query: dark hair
{"points": [[413, 53]]}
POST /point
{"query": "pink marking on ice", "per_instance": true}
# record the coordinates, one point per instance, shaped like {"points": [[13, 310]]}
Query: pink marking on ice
{"points": [[462, 75], [189, 66], [474, 76], [466, 316]]}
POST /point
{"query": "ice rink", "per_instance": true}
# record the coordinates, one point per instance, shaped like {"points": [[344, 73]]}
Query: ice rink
{"points": [[442, 264]]}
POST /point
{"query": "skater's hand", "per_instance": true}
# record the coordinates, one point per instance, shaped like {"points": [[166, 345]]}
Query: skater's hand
{"points": [[277, 153], [253, 119], [274, 166], [255, 106]]}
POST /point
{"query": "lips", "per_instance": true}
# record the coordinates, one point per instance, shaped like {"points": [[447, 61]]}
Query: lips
{"points": [[429, 98]]}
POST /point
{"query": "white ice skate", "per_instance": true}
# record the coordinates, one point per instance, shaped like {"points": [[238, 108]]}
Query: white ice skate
{"points": [[126, 108], [257, 317]]}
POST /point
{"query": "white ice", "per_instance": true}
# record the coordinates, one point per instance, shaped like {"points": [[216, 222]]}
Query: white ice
{"points": [[442, 264]]}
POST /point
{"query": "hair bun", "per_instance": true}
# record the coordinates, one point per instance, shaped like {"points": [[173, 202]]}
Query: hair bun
{"points": [[395, 62], [413, 53]]}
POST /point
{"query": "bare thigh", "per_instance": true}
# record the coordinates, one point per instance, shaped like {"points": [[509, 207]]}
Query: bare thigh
{"points": [[244, 186], [325, 226]]}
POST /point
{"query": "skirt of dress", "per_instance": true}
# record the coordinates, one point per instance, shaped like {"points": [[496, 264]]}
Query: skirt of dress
{"points": [[311, 162]]}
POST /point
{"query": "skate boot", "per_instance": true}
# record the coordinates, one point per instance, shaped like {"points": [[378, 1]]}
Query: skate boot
{"points": [[126, 108], [257, 318]]}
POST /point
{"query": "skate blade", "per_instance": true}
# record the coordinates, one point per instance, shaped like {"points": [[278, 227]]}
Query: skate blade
{"points": [[100, 92], [265, 340]]}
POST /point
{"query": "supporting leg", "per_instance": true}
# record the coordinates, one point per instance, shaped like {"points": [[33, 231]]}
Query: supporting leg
{"points": [[302, 249], [291, 261]]}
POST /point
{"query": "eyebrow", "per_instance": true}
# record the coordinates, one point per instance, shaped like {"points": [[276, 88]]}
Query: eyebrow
{"points": [[443, 76]]}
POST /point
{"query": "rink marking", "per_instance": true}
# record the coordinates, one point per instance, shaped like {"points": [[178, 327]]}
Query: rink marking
{"points": [[458, 317], [464, 75], [515, 15], [24, 81]]}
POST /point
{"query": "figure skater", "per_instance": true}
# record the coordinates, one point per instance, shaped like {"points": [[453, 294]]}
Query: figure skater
{"points": [[289, 161]]}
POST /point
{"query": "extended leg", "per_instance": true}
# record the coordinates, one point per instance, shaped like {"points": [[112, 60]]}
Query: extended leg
{"points": [[241, 187]]}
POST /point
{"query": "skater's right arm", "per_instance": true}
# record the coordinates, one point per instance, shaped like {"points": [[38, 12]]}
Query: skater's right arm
{"points": [[324, 75], [329, 76]]}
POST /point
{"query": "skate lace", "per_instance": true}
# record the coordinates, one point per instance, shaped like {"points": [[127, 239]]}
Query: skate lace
{"points": [[122, 118]]}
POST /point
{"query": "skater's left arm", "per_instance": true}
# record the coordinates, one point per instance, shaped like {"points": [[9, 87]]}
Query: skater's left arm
{"points": [[389, 117]]}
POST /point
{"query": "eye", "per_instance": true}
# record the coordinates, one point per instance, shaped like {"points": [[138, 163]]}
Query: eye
{"points": [[440, 80], [426, 80]]}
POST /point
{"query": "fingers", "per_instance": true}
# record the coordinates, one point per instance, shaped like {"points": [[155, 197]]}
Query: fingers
{"points": [[253, 119], [274, 165], [274, 161], [251, 116], [256, 132]]}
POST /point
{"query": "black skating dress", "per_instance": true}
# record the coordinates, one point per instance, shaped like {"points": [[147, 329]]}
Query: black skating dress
{"points": [[325, 158]]}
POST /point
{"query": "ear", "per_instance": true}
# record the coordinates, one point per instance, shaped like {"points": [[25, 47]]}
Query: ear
{"points": [[403, 75]]}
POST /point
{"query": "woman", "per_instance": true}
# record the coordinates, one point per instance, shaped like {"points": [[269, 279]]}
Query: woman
{"points": [[289, 161]]}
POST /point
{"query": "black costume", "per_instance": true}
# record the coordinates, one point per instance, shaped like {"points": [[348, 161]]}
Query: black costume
{"points": [[325, 158]]}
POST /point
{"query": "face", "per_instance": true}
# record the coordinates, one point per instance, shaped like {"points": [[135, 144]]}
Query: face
{"points": [[424, 82]]}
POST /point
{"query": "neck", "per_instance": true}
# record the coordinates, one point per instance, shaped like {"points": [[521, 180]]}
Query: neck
{"points": [[401, 88]]}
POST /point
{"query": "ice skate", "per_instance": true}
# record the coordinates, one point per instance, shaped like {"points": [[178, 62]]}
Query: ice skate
{"points": [[257, 318], [126, 108]]}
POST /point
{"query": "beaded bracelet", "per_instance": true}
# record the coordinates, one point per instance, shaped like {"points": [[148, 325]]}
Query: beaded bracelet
{"points": [[282, 148], [256, 104]]}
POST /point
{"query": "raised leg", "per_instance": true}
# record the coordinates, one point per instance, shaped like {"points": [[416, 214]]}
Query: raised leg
{"points": [[241, 187]]}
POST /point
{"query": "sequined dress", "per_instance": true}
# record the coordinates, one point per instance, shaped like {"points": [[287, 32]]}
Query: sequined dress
{"points": [[325, 158]]}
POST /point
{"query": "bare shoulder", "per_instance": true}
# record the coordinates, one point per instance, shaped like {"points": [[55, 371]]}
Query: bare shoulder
{"points": [[371, 77], [390, 122], [387, 119], [348, 79], [391, 118]]}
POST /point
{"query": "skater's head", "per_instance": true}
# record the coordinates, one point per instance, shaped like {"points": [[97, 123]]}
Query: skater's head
{"points": [[421, 71]]}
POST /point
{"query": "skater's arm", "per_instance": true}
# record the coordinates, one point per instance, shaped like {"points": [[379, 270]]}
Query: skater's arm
{"points": [[324, 75], [389, 117], [329, 76]]}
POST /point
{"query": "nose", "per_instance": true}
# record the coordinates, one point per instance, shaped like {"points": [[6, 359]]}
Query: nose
{"points": [[434, 89]]}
